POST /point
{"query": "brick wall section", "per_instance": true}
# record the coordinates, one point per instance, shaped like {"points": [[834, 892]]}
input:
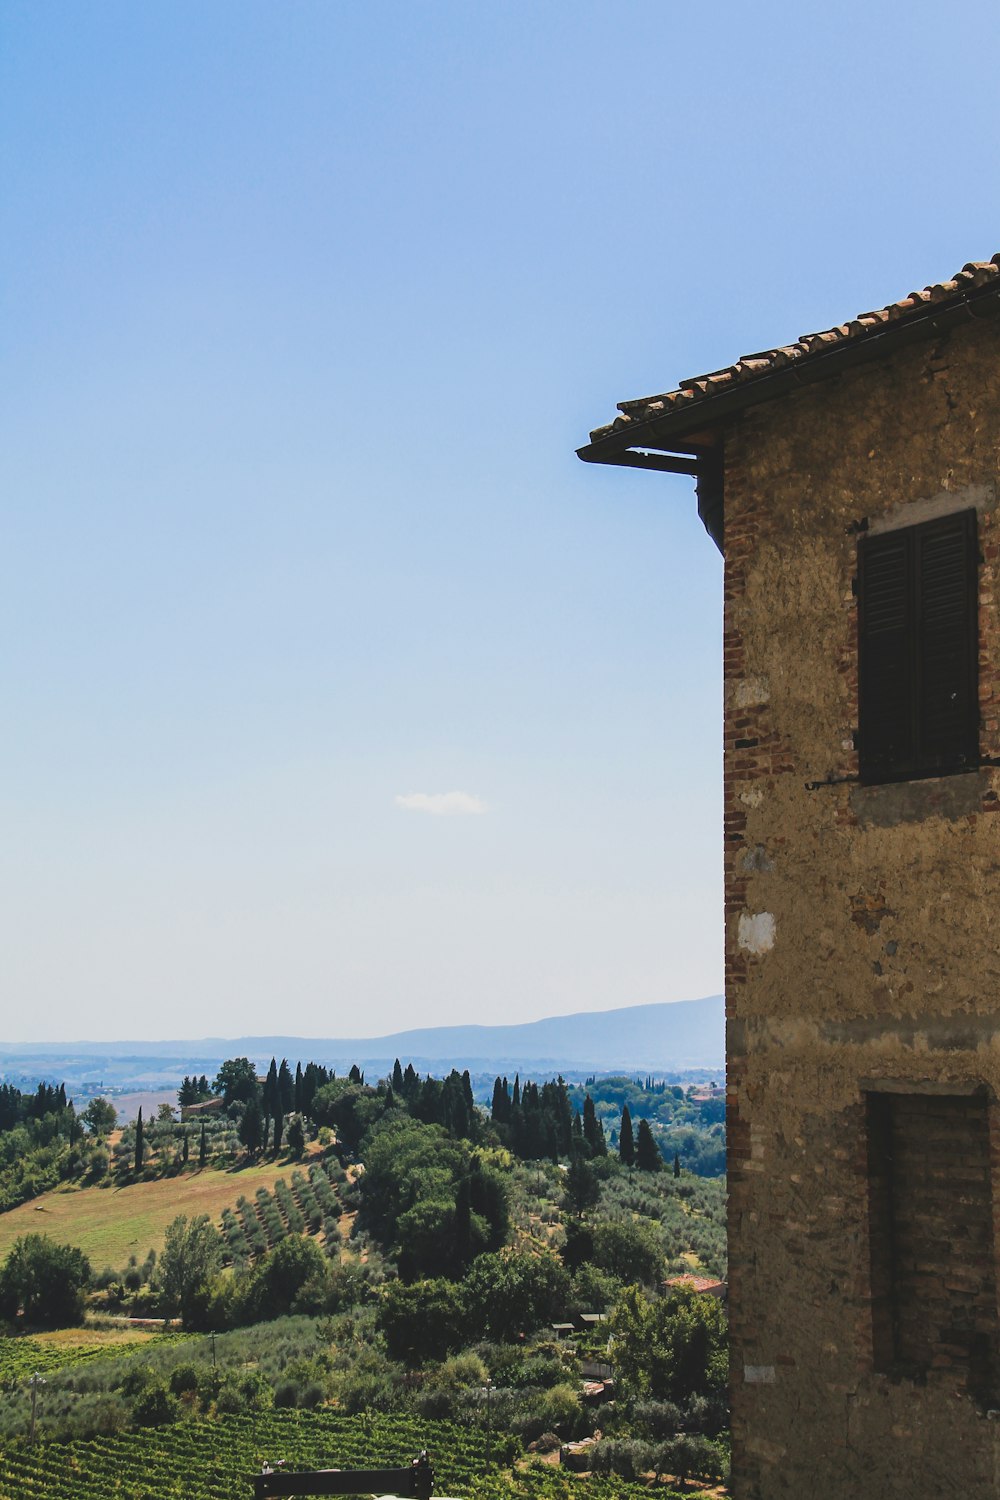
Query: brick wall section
{"points": [[884, 968]]}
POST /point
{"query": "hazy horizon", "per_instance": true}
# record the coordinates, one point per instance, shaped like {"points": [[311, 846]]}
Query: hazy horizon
{"points": [[347, 1036]]}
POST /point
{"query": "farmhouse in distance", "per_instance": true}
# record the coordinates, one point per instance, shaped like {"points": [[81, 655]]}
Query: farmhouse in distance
{"points": [[851, 481]]}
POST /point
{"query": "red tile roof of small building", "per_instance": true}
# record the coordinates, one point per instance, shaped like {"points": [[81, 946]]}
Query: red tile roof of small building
{"points": [[750, 367], [697, 1283]]}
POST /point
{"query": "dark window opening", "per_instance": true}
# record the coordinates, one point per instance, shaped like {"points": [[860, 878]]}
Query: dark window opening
{"points": [[918, 650], [933, 1274]]}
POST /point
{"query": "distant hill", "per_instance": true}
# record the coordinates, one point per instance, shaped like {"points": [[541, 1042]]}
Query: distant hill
{"points": [[659, 1038]]}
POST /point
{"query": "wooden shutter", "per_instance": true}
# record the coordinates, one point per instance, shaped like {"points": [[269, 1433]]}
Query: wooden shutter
{"points": [[947, 644], [918, 648], [931, 1238], [887, 692]]}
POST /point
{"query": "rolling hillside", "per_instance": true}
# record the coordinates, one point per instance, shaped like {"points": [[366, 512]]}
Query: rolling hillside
{"points": [[111, 1223]]}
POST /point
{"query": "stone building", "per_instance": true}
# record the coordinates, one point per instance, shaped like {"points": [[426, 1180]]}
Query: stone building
{"points": [[851, 480]]}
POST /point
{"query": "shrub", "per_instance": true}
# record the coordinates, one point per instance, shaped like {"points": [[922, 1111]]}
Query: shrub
{"points": [[625, 1457], [45, 1281], [154, 1407], [184, 1378]]}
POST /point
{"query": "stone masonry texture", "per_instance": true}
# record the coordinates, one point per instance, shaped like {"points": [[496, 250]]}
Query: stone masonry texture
{"points": [[862, 959]]}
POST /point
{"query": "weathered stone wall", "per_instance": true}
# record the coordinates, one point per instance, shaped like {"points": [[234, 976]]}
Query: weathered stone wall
{"points": [[862, 922]]}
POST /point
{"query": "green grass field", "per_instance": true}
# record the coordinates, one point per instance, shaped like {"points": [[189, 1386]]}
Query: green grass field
{"points": [[47, 1352], [111, 1223]]}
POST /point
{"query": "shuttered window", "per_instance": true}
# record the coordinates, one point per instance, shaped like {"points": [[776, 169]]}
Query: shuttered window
{"points": [[931, 1236], [917, 620]]}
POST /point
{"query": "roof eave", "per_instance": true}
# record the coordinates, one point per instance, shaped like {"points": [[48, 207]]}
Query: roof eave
{"points": [[692, 428], [667, 430]]}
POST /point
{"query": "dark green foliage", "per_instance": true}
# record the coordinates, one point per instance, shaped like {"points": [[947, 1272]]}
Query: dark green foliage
{"points": [[349, 1108], [424, 1195], [583, 1187], [251, 1128], [44, 1282], [578, 1247], [194, 1091], [236, 1081], [280, 1277], [626, 1139], [671, 1348], [183, 1379], [296, 1136], [155, 1406], [269, 1092], [192, 1252], [680, 1121], [691, 1456], [100, 1116], [630, 1249], [647, 1152], [507, 1294], [593, 1130], [138, 1149], [422, 1322], [286, 1088]]}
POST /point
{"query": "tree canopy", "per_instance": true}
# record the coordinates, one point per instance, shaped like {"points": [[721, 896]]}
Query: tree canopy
{"points": [[43, 1281]]}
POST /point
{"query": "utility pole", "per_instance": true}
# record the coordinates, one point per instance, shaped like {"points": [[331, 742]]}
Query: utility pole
{"points": [[488, 1391], [35, 1381]]}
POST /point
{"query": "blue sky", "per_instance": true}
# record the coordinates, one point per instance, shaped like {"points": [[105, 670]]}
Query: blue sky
{"points": [[305, 308]]}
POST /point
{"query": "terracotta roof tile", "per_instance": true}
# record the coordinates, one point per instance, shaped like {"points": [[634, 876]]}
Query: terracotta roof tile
{"points": [[752, 366]]}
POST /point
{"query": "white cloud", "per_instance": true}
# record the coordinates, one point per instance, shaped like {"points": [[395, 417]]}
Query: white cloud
{"points": [[442, 804]]}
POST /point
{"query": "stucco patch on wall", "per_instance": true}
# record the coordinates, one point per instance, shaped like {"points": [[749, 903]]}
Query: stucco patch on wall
{"points": [[950, 797], [755, 933], [981, 497], [748, 692], [755, 861]]}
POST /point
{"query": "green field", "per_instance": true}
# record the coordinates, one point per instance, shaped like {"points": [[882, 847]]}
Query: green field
{"points": [[214, 1460], [46, 1352], [111, 1223]]}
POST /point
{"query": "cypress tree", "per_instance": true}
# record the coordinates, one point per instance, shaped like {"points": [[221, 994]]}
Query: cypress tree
{"points": [[286, 1088], [185, 1149], [138, 1142], [397, 1077], [252, 1128], [677, 1164], [501, 1102], [593, 1130], [298, 1088], [269, 1099], [203, 1147], [647, 1152], [626, 1139]]}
